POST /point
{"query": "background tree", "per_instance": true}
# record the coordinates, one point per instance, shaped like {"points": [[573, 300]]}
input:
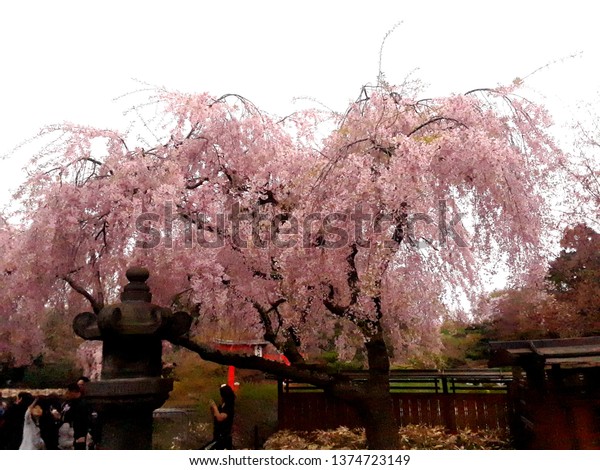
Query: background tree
{"points": [[464, 344], [521, 313], [564, 305], [584, 167], [354, 240], [574, 278]]}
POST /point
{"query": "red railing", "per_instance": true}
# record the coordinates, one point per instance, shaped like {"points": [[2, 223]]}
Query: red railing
{"points": [[453, 399]]}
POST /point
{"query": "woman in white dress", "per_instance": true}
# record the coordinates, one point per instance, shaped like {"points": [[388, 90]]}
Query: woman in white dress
{"points": [[32, 440]]}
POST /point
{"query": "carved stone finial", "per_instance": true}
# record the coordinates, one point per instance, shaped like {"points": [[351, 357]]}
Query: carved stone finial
{"points": [[137, 274], [137, 289]]}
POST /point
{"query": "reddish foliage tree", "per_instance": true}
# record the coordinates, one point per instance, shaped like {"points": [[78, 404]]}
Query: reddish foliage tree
{"points": [[523, 313], [574, 277], [352, 240], [566, 305]]}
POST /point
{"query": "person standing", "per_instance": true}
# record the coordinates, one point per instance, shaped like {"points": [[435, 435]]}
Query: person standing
{"points": [[94, 434], [50, 421], [14, 419], [223, 419], [32, 439], [3, 408], [76, 414]]}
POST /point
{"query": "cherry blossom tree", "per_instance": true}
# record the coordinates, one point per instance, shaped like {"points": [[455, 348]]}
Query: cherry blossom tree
{"points": [[584, 168], [359, 241]]}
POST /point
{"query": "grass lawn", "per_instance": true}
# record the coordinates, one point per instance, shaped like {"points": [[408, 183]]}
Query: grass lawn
{"points": [[197, 382]]}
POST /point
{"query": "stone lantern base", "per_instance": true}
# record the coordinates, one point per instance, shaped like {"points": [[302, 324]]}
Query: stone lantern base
{"points": [[125, 408]]}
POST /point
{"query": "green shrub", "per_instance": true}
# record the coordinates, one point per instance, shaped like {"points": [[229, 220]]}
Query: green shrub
{"points": [[55, 375]]}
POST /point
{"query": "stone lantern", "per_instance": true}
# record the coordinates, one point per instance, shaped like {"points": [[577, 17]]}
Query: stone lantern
{"points": [[131, 386]]}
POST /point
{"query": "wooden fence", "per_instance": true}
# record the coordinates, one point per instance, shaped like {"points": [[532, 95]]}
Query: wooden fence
{"points": [[454, 399]]}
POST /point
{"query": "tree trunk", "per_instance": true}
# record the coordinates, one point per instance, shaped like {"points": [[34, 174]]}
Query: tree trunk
{"points": [[379, 421], [377, 412]]}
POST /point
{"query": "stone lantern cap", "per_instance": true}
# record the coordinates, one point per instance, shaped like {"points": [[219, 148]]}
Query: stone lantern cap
{"points": [[134, 315]]}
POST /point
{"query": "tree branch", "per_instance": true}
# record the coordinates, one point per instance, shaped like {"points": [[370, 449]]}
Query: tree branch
{"points": [[100, 292], [353, 274], [289, 347], [434, 120], [96, 305], [315, 374], [198, 183]]}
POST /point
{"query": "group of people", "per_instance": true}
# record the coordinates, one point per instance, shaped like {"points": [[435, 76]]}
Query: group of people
{"points": [[47, 423], [53, 423]]}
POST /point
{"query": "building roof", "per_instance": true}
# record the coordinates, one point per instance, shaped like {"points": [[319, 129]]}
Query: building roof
{"points": [[568, 351], [243, 342]]}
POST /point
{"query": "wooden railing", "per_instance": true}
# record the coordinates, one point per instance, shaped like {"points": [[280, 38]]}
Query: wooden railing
{"points": [[455, 399]]}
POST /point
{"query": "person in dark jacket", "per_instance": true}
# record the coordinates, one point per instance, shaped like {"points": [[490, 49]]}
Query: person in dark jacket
{"points": [[223, 419], [50, 421], [94, 432], [76, 412], [11, 433]]}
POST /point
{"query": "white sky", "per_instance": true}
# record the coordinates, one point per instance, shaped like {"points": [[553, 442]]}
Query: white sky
{"points": [[68, 60]]}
